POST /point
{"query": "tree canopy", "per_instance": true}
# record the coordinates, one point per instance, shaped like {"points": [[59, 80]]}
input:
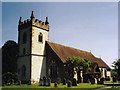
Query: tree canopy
{"points": [[116, 66], [78, 63], [9, 56]]}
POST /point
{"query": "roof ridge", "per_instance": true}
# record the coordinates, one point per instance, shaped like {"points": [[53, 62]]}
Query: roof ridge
{"points": [[70, 47], [54, 50]]}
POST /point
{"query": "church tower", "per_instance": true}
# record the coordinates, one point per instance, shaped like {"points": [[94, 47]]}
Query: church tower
{"points": [[32, 34]]}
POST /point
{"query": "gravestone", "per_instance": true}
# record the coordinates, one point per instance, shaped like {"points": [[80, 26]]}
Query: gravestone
{"points": [[74, 82], [102, 81], [29, 82], [19, 82], [49, 82], [41, 82], [114, 79], [92, 80], [69, 84], [12, 81], [55, 85], [58, 80], [64, 81], [95, 80], [98, 81], [44, 81]]}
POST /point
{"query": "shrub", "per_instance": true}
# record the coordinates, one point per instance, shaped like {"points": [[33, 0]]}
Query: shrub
{"points": [[9, 78]]}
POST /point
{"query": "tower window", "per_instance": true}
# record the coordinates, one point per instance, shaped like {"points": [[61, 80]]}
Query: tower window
{"points": [[23, 71], [40, 37], [24, 38]]}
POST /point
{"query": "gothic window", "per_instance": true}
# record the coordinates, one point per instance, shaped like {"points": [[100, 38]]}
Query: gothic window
{"points": [[24, 51], [40, 37], [23, 71], [53, 71], [24, 38]]}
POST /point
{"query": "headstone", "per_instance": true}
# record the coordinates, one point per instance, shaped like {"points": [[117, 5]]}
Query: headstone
{"points": [[44, 81], [64, 81], [19, 82], [29, 82], [55, 85], [102, 81], [114, 79], [41, 82], [58, 80], [49, 82], [12, 81], [74, 82], [69, 84], [92, 81], [96, 80]]}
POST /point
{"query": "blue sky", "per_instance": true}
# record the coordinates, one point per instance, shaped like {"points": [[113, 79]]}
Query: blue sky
{"points": [[89, 26]]}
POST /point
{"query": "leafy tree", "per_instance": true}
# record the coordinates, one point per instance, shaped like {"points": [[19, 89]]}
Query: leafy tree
{"points": [[9, 62], [116, 66], [9, 56], [78, 63]]}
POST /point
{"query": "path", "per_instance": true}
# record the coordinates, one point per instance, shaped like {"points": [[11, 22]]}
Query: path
{"points": [[103, 88]]}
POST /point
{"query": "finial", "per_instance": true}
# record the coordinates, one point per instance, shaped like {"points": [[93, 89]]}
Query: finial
{"points": [[20, 20], [32, 15], [46, 22]]}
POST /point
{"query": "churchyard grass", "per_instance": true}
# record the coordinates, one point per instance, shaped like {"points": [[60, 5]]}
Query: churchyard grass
{"points": [[111, 82], [81, 85]]}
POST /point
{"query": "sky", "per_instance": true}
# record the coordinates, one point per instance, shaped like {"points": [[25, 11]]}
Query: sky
{"points": [[88, 26]]}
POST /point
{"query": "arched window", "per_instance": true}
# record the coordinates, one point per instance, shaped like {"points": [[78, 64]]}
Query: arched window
{"points": [[24, 51], [40, 37], [23, 71], [24, 38], [53, 71]]}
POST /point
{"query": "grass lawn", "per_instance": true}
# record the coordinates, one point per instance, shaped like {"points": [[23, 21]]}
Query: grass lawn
{"points": [[111, 82], [81, 85]]}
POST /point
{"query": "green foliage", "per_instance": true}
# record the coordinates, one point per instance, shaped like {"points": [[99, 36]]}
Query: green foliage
{"points": [[9, 56], [9, 78], [9, 62], [116, 66], [78, 63]]}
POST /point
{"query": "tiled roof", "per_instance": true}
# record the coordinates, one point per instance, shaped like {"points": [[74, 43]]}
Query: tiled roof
{"points": [[63, 52]]}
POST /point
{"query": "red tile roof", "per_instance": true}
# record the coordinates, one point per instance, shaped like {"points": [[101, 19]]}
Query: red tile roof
{"points": [[63, 52]]}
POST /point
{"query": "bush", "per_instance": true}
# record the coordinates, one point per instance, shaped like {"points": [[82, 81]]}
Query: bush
{"points": [[9, 78]]}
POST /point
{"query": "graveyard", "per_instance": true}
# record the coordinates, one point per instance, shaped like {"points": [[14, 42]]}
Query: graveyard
{"points": [[80, 85]]}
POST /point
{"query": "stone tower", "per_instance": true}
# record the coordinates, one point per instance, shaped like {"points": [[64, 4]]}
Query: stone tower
{"points": [[31, 62]]}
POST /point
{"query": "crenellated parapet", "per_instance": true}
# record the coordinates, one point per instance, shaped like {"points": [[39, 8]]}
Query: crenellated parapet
{"points": [[33, 22]]}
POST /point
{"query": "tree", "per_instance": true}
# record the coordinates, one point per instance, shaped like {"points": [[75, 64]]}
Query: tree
{"points": [[78, 63], [9, 57], [116, 66]]}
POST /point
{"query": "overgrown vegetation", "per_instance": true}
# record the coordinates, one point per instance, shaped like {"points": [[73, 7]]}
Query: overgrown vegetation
{"points": [[9, 62], [116, 70]]}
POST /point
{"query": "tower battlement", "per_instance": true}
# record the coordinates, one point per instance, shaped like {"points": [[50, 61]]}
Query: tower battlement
{"points": [[33, 22]]}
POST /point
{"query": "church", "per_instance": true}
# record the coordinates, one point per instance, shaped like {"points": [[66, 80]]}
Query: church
{"points": [[38, 57]]}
